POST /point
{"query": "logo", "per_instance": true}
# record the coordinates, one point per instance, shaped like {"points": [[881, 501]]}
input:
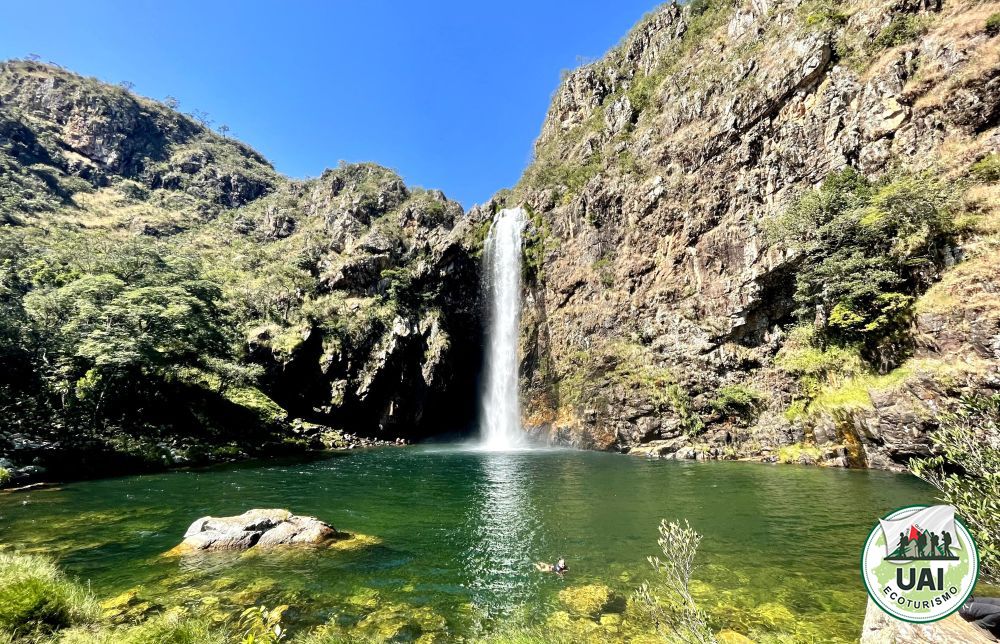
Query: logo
{"points": [[919, 563]]}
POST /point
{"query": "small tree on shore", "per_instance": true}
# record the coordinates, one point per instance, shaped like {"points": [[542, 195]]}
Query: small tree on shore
{"points": [[966, 471], [667, 602]]}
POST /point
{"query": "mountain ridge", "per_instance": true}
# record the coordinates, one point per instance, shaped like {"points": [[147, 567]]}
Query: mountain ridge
{"points": [[298, 312], [688, 197]]}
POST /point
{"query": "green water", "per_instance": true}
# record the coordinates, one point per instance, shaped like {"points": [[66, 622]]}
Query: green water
{"points": [[460, 530]]}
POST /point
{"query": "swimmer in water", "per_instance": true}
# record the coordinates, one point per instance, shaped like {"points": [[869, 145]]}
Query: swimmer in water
{"points": [[558, 567]]}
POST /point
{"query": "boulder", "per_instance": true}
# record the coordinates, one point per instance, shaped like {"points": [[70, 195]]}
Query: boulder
{"points": [[256, 529], [880, 628], [659, 448]]}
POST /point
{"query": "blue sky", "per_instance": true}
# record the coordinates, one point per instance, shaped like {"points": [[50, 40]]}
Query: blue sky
{"points": [[449, 94]]}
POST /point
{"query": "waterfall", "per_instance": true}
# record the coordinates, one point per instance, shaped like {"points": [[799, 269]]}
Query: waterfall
{"points": [[501, 409]]}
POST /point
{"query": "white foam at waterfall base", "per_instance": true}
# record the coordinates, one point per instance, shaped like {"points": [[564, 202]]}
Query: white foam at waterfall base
{"points": [[501, 408]]}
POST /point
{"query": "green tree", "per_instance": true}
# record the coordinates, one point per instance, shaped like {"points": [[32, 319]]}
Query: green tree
{"points": [[865, 249], [114, 323], [966, 472]]}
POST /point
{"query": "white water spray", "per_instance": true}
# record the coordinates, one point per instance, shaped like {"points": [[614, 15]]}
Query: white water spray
{"points": [[501, 408]]}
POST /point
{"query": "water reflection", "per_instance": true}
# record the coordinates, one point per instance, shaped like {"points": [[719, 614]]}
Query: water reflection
{"points": [[505, 529]]}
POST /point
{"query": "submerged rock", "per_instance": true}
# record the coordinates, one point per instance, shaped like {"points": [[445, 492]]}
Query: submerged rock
{"points": [[589, 601], [732, 637], [128, 607], [256, 529]]}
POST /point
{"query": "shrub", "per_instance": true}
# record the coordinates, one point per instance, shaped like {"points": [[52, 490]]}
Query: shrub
{"points": [[966, 472], [698, 7], [867, 247], [814, 365], [537, 241], [993, 24], [987, 169], [667, 603], [822, 13], [36, 597], [738, 403], [796, 410], [5, 476], [900, 30], [799, 453], [605, 272], [680, 402], [133, 191]]}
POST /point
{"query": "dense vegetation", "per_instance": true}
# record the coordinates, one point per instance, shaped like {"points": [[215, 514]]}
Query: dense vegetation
{"points": [[105, 336], [866, 250], [966, 472], [166, 297]]}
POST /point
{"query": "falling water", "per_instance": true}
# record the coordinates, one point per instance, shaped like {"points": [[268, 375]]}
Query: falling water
{"points": [[501, 410]]}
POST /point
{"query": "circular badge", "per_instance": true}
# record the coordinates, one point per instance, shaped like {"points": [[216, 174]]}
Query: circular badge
{"points": [[920, 563]]}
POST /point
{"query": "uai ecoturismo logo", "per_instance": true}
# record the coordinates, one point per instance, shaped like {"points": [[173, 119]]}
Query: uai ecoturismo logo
{"points": [[920, 564]]}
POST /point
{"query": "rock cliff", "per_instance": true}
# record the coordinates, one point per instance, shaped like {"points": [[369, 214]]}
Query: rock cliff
{"points": [[170, 298], [660, 307], [689, 195]]}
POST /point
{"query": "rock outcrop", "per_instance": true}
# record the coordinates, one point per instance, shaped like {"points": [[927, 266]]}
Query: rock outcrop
{"points": [[880, 628], [347, 304], [654, 287], [256, 529]]}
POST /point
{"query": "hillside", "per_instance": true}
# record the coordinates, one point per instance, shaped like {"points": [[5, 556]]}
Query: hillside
{"points": [[169, 298], [768, 229], [759, 230]]}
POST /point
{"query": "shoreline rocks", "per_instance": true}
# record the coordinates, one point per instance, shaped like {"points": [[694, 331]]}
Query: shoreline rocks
{"points": [[880, 628], [321, 437], [257, 528]]}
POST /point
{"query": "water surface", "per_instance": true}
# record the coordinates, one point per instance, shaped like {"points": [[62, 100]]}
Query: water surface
{"points": [[460, 530]]}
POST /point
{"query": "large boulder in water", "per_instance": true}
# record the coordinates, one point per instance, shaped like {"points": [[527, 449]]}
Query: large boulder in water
{"points": [[256, 529]]}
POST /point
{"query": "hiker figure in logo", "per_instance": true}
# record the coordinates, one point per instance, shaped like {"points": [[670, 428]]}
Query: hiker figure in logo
{"points": [[904, 544], [946, 546], [928, 545]]}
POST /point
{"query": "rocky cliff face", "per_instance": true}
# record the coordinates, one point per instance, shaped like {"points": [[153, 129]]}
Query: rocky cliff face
{"points": [[658, 305], [664, 315], [345, 303]]}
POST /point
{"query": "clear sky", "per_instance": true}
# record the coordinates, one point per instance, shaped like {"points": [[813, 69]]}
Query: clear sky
{"points": [[450, 94]]}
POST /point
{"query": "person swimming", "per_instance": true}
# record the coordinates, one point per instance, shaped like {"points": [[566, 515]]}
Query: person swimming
{"points": [[558, 567]]}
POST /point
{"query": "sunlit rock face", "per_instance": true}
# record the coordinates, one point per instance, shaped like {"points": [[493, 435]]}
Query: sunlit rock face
{"points": [[657, 167]]}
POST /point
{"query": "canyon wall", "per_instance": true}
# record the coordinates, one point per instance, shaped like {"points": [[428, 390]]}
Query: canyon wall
{"points": [[660, 307]]}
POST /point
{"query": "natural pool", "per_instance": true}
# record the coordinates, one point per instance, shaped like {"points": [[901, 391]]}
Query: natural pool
{"points": [[460, 529]]}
